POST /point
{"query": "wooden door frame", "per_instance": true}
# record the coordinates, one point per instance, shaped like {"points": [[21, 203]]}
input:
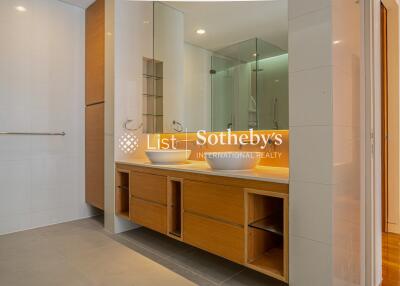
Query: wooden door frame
{"points": [[391, 143], [371, 131], [384, 114]]}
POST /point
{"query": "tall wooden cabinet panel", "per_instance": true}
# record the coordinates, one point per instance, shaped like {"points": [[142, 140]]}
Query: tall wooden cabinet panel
{"points": [[95, 52], [94, 98], [95, 155]]}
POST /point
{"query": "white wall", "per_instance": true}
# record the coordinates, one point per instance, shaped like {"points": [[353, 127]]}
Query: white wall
{"points": [[324, 114], [310, 120], [131, 39], [347, 98], [41, 90]]}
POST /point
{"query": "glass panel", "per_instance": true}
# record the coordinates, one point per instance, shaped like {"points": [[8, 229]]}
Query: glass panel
{"points": [[249, 87], [272, 87], [222, 85]]}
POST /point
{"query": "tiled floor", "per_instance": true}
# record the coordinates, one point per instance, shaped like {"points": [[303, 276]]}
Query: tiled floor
{"points": [[82, 253]]}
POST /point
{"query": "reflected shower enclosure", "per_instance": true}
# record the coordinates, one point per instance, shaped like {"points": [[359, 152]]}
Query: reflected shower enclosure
{"points": [[249, 82]]}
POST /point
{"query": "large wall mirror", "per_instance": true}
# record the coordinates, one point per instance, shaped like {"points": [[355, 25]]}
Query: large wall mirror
{"points": [[217, 66]]}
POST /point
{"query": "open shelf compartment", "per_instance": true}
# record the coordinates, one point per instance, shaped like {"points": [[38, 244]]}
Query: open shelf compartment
{"points": [[267, 233], [122, 193], [152, 96], [175, 188]]}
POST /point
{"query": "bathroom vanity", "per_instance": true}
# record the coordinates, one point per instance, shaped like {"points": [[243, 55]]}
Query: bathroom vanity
{"points": [[220, 80], [239, 215]]}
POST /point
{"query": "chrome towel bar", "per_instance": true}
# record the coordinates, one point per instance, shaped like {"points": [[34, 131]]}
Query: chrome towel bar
{"points": [[34, 133]]}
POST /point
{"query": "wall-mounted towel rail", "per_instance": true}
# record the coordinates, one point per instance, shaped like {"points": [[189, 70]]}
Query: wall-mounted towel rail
{"points": [[34, 133]]}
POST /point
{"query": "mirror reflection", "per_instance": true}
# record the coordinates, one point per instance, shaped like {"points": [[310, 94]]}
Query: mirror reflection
{"points": [[217, 66]]}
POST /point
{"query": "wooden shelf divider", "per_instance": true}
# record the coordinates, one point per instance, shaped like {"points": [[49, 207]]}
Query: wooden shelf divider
{"points": [[122, 193], [174, 207]]}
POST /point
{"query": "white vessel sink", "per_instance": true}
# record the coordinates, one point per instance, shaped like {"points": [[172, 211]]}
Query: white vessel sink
{"points": [[168, 156], [233, 160]]}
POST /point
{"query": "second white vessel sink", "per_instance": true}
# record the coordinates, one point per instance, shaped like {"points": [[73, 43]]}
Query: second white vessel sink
{"points": [[168, 156], [233, 160]]}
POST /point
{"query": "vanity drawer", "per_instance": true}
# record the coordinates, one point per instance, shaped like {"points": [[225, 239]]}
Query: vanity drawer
{"points": [[217, 237], [149, 187], [222, 202], [148, 214]]}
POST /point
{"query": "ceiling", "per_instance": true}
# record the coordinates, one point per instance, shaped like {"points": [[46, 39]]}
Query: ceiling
{"points": [[80, 3], [227, 23]]}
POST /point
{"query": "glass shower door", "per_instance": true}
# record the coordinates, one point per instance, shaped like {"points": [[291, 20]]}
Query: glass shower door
{"points": [[222, 90], [249, 82], [231, 87]]}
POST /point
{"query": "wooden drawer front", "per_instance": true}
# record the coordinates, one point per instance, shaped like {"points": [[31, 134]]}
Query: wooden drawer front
{"points": [[151, 215], [213, 236], [217, 201], [149, 187]]}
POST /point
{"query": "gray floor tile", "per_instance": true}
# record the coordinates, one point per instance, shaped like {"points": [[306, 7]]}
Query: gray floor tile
{"points": [[208, 266], [82, 253], [212, 267], [160, 244], [40, 270], [253, 278], [167, 262]]}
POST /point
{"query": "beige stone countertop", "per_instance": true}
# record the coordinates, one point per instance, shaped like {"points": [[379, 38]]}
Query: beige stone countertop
{"points": [[260, 173]]}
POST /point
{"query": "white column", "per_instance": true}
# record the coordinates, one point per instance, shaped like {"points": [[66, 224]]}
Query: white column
{"points": [[324, 95]]}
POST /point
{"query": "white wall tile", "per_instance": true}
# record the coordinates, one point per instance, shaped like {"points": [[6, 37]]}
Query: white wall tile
{"points": [[310, 41], [13, 223], [14, 147], [311, 154], [41, 89], [298, 8], [310, 262], [311, 211], [346, 97], [346, 34], [15, 188], [324, 36], [310, 90]]}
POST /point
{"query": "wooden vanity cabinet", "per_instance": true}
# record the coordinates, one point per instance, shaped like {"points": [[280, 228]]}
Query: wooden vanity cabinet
{"points": [[149, 214], [244, 221], [224, 203], [149, 187], [148, 201], [213, 218], [215, 236]]}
